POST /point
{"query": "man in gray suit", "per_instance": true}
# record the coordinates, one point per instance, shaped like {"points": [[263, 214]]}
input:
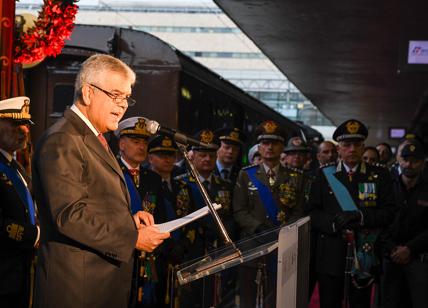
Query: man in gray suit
{"points": [[88, 233]]}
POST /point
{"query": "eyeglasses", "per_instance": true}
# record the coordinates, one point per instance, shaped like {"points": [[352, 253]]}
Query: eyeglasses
{"points": [[117, 99]]}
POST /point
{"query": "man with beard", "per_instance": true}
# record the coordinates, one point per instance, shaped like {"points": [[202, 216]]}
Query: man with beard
{"points": [[405, 281], [349, 198], [19, 233]]}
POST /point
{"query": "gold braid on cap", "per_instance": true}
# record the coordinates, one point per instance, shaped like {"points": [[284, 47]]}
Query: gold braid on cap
{"points": [[138, 129], [24, 114]]}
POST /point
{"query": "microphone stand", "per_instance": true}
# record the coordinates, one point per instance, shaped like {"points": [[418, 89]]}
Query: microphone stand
{"points": [[205, 196]]}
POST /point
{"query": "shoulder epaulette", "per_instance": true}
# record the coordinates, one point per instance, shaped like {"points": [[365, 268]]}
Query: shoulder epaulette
{"points": [[378, 165], [381, 165], [327, 165], [296, 170], [180, 182], [250, 166], [181, 176]]}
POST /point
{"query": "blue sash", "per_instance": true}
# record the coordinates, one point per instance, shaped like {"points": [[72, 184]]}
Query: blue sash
{"points": [[21, 189], [198, 199], [364, 259], [340, 191], [170, 216], [133, 193], [265, 195]]}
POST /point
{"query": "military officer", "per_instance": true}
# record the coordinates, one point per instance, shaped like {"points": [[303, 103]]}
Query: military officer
{"points": [[178, 203], [405, 280], [296, 153], [349, 195], [208, 237], [145, 190], [19, 232], [265, 196], [228, 154]]}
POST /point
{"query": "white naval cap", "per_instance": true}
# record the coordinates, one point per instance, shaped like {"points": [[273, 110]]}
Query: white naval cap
{"points": [[134, 127], [16, 108]]}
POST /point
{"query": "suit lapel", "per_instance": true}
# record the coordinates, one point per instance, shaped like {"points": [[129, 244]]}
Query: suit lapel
{"points": [[92, 142]]}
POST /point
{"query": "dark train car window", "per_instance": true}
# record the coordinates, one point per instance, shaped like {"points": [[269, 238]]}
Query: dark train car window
{"points": [[204, 106], [62, 97]]}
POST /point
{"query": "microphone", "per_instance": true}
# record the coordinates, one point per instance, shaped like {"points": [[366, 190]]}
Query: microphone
{"points": [[154, 128]]}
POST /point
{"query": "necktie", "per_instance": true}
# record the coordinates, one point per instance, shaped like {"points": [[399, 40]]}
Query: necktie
{"points": [[165, 187], [166, 190], [271, 175], [350, 174], [206, 184], [103, 141], [135, 172], [225, 174]]}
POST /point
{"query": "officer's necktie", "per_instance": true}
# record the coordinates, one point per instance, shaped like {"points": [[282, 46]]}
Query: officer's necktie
{"points": [[350, 174], [135, 172], [166, 190], [103, 141], [225, 174], [271, 176], [206, 184]]}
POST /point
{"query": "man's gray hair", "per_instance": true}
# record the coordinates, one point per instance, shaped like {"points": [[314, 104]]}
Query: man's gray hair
{"points": [[96, 65]]}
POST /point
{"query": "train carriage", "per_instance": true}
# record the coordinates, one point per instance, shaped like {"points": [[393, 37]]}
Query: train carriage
{"points": [[171, 88]]}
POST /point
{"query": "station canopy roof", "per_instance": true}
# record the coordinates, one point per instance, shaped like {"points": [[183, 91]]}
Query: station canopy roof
{"points": [[347, 57]]}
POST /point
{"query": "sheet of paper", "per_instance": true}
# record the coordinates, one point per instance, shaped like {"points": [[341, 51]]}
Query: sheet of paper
{"points": [[180, 222]]}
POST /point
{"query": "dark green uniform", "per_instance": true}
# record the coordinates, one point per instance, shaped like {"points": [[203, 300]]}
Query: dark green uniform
{"points": [[288, 191]]}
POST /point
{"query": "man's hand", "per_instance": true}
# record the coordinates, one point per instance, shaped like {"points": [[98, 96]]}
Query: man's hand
{"points": [[400, 255], [149, 238], [343, 219], [142, 218]]}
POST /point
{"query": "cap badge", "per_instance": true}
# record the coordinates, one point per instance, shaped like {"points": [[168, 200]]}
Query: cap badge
{"points": [[352, 127], [412, 148], [207, 136], [297, 142], [26, 108], [141, 124], [167, 143], [270, 127], [234, 135]]}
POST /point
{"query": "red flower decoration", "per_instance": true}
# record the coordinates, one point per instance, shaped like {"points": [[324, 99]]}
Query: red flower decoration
{"points": [[54, 25]]}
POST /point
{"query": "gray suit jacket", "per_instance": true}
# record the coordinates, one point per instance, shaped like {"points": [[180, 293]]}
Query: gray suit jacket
{"points": [[87, 232]]}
